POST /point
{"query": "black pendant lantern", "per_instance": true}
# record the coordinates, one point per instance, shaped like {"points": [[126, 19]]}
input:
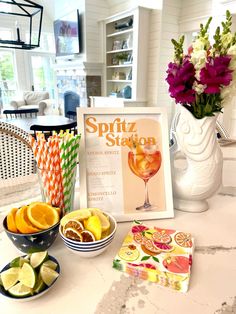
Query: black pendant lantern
{"points": [[20, 24]]}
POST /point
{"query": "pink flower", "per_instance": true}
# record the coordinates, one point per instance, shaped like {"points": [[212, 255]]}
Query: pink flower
{"points": [[180, 79], [216, 74]]}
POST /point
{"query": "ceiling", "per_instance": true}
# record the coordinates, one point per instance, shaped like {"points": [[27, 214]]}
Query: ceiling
{"points": [[49, 6]]}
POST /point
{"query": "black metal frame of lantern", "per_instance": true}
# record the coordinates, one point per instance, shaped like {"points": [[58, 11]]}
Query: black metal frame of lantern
{"points": [[29, 12]]}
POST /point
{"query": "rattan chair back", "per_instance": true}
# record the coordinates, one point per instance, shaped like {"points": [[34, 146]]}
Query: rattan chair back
{"points": [[16, 156]]}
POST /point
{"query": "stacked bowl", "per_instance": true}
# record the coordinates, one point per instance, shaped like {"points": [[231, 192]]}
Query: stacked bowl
{"points": [[92, 248], [32, 227]]}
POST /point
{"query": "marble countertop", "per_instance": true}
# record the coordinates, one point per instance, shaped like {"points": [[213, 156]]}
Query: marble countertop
{"points": [[93, 286]]}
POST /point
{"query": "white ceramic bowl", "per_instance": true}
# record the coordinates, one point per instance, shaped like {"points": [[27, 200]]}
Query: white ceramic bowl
{"points": [[91, 249]]}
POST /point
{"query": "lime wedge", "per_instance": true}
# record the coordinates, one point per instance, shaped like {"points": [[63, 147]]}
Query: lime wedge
{"points": [[20, 290], [10, 277], [40, 285], [50, 264], [37, 258], [48, 275], [27, 275], [18, 261]]}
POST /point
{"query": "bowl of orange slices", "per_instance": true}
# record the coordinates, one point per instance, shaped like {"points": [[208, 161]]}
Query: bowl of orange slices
{"points": [[87, 232], [32, 228]]}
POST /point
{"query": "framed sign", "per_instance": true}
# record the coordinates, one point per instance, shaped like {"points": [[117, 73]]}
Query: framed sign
{"points": [[125, 163]]}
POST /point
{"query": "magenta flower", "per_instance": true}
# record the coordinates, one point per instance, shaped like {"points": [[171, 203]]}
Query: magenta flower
{"points": [[216, 74], [180, 79]]}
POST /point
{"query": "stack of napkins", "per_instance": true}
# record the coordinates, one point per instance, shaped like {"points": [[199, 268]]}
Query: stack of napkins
{"points": [[159, 255]]}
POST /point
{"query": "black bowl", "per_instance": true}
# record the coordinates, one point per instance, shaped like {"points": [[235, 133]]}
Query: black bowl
{"points": [[31, 297], [32, 242]]}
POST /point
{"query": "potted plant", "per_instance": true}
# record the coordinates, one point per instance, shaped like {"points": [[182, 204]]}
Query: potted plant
{"points": [[122, 57]]}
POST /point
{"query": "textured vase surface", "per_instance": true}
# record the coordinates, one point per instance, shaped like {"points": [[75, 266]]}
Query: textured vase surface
{"points": [[201, 175]]}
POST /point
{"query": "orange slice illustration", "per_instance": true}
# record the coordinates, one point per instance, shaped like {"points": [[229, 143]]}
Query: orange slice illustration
{"points": [[161, 237], [183, 239]]}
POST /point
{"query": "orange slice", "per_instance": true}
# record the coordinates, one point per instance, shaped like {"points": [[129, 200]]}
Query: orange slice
{"points": [[42, 215], [183, 239], [149, 245], [138, 237], [11, 224], [161, 237], [72, 223], [87, 236], [22, 221], [73, 234]]}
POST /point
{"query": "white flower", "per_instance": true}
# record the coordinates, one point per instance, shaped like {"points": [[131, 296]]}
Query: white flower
{"points": [[201, 43], [198, 58], [199, 88], [232, 51], [226, 40]]}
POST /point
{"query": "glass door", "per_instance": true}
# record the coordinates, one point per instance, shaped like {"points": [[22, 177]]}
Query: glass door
{"points": [[42, 73]]}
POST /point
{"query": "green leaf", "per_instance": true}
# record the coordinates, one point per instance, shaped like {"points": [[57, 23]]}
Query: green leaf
{"points": [[155, 259], [116, 264], [148, 232], [137, 222], [145, 258]]}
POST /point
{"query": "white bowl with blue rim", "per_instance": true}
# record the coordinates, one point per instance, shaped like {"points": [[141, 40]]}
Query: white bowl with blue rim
{"points": [[91, 249]]}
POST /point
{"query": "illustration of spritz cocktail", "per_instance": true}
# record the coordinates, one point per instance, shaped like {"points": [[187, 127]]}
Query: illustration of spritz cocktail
{"points": [[145, 161]]}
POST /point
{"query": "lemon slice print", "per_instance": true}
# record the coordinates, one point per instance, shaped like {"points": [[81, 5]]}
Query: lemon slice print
{"points": [[128, 254]]}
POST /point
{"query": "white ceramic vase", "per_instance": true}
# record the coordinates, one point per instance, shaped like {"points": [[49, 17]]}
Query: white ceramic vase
{"points": [[201, 175]]}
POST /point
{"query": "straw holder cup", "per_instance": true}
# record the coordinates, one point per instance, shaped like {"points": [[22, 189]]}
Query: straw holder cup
{"points": [[58, 187]]}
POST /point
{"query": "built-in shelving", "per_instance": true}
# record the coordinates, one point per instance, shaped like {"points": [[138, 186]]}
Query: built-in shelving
{"points": [[125, 53]]}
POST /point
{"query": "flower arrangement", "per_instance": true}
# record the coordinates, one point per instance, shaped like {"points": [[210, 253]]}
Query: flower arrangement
{"points": [[202, 79]]}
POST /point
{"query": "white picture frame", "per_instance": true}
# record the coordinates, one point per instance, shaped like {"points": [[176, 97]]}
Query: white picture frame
{"points": [[105, 161]]}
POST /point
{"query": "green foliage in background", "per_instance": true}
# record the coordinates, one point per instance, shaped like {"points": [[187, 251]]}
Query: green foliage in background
{"points": [[6, 67]]}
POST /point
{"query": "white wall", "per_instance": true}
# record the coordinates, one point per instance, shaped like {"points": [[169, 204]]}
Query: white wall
{"points": [[169, 29], [95, 11]]}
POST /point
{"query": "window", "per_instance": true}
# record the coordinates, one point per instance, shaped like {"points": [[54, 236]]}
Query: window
{"points": [[8, 84], [42, 72], [41, 64]]}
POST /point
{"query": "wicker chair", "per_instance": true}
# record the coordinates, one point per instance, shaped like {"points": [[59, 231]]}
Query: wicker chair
{"points": [[16, 156]]}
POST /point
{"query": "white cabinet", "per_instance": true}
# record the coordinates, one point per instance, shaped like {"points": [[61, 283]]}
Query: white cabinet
{"points": [[125, 50]]}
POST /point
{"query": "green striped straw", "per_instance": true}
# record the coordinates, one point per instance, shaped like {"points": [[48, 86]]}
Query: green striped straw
{"points": [[69, 146]]}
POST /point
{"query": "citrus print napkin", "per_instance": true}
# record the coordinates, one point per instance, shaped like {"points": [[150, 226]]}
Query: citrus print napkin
{"points": [[159, 255]]}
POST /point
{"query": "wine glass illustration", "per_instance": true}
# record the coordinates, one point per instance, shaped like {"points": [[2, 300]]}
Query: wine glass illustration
{"points": [[145, 161]]}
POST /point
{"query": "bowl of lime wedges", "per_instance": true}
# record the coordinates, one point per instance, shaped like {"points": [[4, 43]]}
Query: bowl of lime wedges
{"points": [[28, 277]]}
